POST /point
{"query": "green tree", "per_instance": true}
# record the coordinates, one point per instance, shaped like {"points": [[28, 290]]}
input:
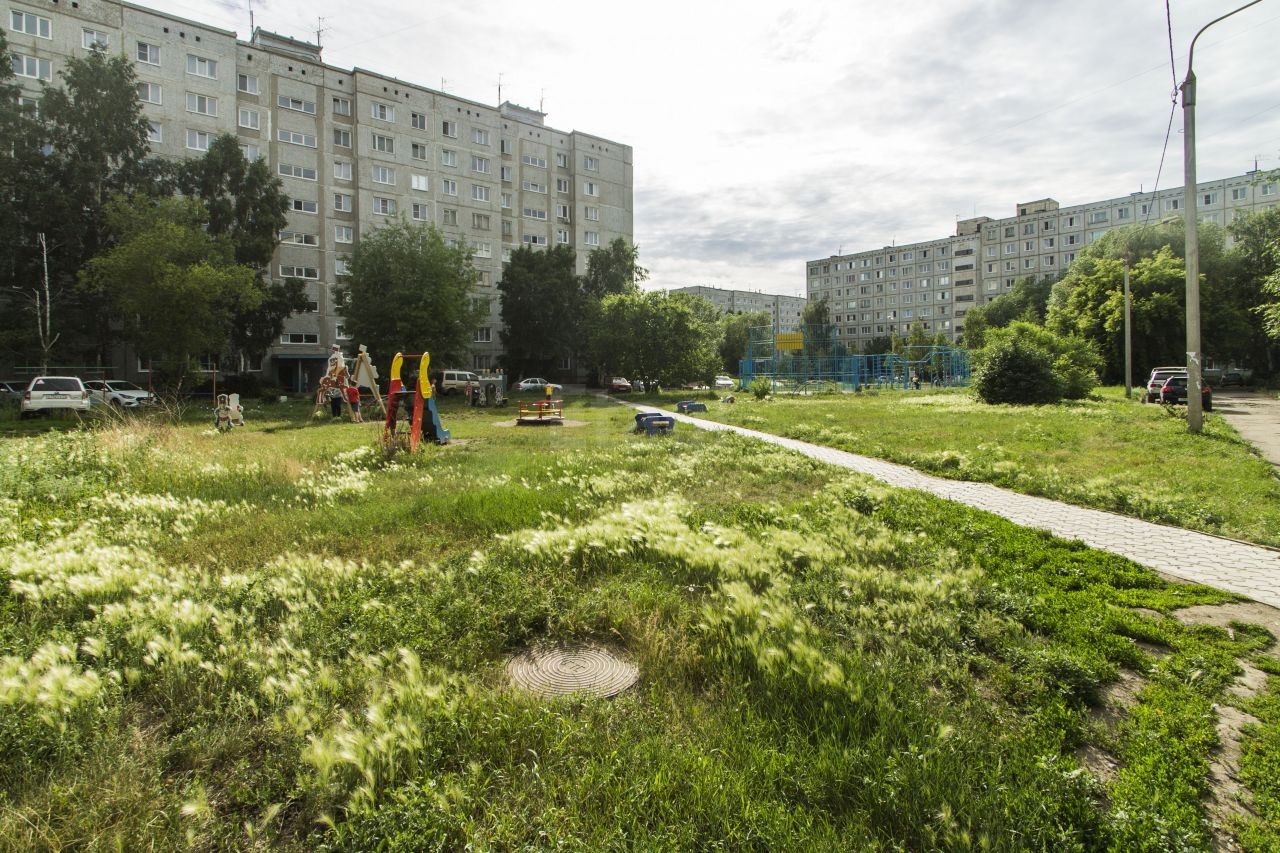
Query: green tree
{"points": [[614, 268], [175, 288], [733, 344], [878, 345], [657, 336], [1074, 361], [818, 329], [1027, 300], [542, 309], [409, 290]]}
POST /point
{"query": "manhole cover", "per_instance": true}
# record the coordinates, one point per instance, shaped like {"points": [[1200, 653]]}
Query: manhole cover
{"points": [[551, 670]]}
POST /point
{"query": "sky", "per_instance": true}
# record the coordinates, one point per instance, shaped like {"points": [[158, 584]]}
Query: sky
{"points": [[766, 135]]}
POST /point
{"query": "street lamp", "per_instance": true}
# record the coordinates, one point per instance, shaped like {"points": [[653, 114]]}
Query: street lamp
{"points": [[1195, 414]]}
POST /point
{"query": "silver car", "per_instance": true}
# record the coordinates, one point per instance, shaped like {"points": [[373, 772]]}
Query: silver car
{"points": [[118, 393], [46, 393]]}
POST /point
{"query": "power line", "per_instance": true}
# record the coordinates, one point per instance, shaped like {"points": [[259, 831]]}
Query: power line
{"points": [[1173, 108]]}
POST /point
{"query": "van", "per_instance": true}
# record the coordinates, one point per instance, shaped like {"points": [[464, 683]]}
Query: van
{"points": [[455, 381]]}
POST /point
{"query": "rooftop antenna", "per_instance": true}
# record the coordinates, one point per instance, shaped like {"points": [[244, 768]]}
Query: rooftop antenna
{"points": [[442, 82], [542, 94], [499, 87], [319, 29], [251, 27]]}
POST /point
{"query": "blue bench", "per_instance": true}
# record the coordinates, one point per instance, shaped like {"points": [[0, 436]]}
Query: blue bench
{"points": [[655, 423], [684, 407]]}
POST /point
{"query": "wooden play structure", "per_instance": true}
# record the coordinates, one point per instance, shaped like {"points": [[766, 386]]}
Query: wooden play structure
{"points": [[424, 418], [338, 378]]}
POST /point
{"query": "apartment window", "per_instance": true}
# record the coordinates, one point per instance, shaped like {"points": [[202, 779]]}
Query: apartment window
{"points": [[1009, 231], [149, 93], [341, 170], [202, 104], [562, 236], [479, 137], [301, 205], [382, 112], [480, 164], [504, 146], [250, 152], [306, 173], [418, 121], [534, 213], [591, 164], [1071, 222], [590, 188], [298, 272], [1098, 216], [992, 251], [1010, 248], [296, 104], [592, 213], [591, 238], [449, 187], [1028, 263], [482, 336], [299, 338], [247, 83], [449, 216], [384, 175], [562, 212], [294, 138], [343, 234], [198, 140], [1048, 242], [1268, 189], [1144, 209], [30, 66], [91, 39], [417, 151], [420, 211], [202, 67], [148, 53], [1029, 246], [1207, 199], [479, 193], [562, 185], [506, 201], [537, 162], [341, 107], [1122, 213], [533, 240], [32, 25], [419, 182], [342, 202], [385, 144], [449, 128], [154, 132], [533, 187], [506, 174], [448, 157], [562, 160], [1172, 203], [249, 119], [299, 238], [342, 138], [480, 221], [384, 206]]}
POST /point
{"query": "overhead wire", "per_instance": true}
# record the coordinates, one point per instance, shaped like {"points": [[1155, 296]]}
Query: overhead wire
{"points": [[1173, 108]]}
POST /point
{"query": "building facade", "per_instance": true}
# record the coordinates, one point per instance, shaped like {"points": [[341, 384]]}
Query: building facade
{"points": [[354, 149], [885, 291], [786, 311]]}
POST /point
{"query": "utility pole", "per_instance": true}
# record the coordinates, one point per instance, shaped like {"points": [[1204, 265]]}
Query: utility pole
{"points": [[1128, 337], [1195, 413]]}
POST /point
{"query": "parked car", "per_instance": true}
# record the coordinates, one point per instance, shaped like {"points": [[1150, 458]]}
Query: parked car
{"points": [[455, 381], [1232, 377], [619, 385], [11, 391], [118, 393], [1174, 391], [724, 383], [46, 393], [536, 384], [1157, 379]]}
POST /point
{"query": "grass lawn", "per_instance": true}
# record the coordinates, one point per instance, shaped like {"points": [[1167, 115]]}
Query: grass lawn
{"points": [[279, 638], [1111, 453]]}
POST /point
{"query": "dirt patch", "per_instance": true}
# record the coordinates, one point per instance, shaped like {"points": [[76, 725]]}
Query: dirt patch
{"points": [[1229, 798], [1118, 697], [1101, 764], [1154, 649], [1222, 615], [1253, 682], [1148, 612]]}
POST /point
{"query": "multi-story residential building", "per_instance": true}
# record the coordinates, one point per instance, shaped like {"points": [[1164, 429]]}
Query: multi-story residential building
{"points": [[885, 291], [354, 149], [786, 311]]}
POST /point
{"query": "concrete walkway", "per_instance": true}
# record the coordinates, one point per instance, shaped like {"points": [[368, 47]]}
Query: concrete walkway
{"points": [[1255, 415], [1239, 567]]}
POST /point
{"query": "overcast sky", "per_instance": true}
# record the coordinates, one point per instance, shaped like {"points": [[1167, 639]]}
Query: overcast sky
{"points": [[766, 135]]}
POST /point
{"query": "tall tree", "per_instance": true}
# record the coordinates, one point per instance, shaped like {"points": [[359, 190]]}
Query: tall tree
{"points": [[737, 328], [1028, 300], [409, 290], [614, 268], [657, 336], [542, 309]]}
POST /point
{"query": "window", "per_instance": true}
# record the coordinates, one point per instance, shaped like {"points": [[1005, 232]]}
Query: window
{"points": [[480, 221], [291, 171], [342, 202], [1122, 213], [294, 138], [504, 145], [1172, 203], [479, 193], [530, 160], [285, 102], [382, 112], [562, 160], [1268, 189], [198, 140], [247, 83], [506, 174], [449, 216], [148, 53], [343, 234], [91, 39], [341, 107], [249, 151], [448, 158], [299, 338], [534, 213], [1207, 199], [562, 185], [449, 187], [202, 104], [592, 238], [506, 201], [562, 236], [32, 25], [533, 187], [154, 132], [384, 206], [417, 151], [418, 121], [29, 66], [299, 238], [342, 138], [449, 128], [479, 136], [1029, 246], [1048, 242], [303, 206], [386, 144], [298, 272], [201, 67], [419, 182], [562, 212], [590, 188], [249, 119], [1098, 216], [1010, 248], [384, 175], [149, 93], [341, 170], [420, 211], [482, 335], [591, 164], [592, 213], [534, 240], [480, 164]]}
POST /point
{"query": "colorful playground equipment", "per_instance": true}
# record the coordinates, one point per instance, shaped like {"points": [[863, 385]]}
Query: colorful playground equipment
{"points": [[228, 412], [540, 412], [424, 418]]}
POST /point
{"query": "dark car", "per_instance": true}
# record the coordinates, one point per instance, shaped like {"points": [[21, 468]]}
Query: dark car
{"points": [[1174, 391], [1232, 377]]}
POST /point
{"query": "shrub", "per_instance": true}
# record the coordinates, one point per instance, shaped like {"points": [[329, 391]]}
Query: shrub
{"points": [[1014, 370], [761, 387], [1073, 362]]}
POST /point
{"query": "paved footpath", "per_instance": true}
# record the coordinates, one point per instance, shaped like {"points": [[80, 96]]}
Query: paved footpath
{"points": [[1239, 567]]}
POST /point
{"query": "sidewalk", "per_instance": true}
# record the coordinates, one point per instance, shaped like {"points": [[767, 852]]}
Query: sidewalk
{"points": [[1250, 570], [1256, 416]]}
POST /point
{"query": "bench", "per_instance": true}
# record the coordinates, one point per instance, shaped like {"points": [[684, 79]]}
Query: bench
{"points": [[654, 423], [684, 407]]}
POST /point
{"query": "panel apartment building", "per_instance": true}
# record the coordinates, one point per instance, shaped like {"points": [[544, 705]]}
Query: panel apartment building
{"points": [[935, 282], [786, 311], [354, 149]]}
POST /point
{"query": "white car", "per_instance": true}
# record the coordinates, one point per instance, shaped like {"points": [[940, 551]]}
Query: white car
{"points": [[536, 384], [46, 393], [724, 383], [116, 392]]}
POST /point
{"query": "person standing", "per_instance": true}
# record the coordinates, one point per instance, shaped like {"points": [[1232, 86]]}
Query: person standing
{"points": [[353, 398]]}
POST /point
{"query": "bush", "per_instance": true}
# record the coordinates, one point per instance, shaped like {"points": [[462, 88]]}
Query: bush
{"points": [[761, 387], [1014, 370], [1072, 361]]}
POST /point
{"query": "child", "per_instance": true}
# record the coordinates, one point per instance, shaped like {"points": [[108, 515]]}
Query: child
{"points": [[353, 397]]}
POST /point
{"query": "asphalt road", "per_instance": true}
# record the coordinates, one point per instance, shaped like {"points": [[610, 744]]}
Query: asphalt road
{"points": [[1255, 415]]}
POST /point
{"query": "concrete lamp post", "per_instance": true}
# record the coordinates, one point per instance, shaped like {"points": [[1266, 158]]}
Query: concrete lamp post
{"points": [[1195, 385]]}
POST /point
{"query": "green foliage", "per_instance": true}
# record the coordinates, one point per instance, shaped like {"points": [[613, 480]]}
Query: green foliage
{"points": [[733, 346], [656, 336], [542, 310], [1016, 369], [1075, 363], [614, 268], [1028, 300], [409, 290], [761, 387]]}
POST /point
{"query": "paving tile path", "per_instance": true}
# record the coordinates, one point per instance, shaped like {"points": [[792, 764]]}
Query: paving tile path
{"points": [[1239, 567]]}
